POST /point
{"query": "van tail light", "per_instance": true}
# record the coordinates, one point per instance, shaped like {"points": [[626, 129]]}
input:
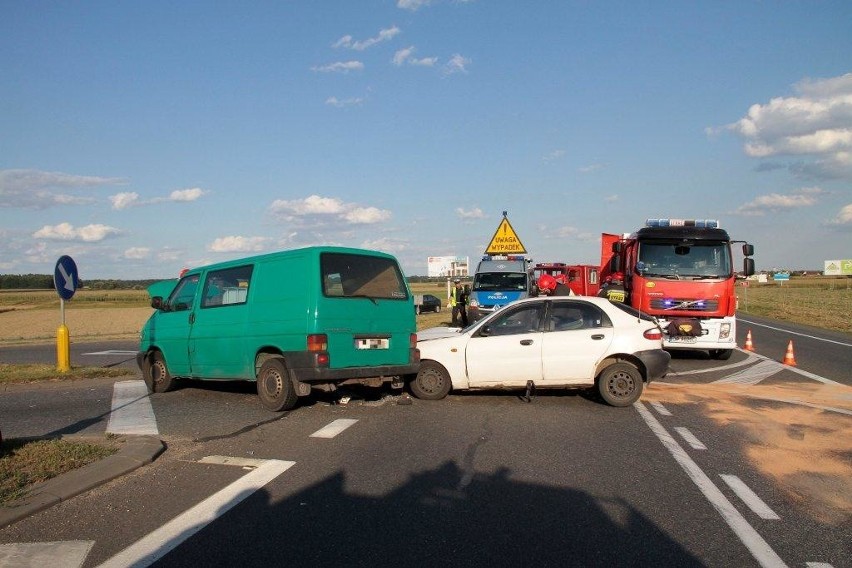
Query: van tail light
{"points": [[654, 334], [318, 342], [412, 341]]}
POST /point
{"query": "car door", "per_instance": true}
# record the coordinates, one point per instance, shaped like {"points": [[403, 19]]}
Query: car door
{"points": [[578, 334], [507, 351]]}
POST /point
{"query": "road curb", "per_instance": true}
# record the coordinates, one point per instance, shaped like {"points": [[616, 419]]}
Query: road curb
{"points": [[134, 453]]}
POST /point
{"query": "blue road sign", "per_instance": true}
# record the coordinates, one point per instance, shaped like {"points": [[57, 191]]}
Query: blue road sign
{"points": [[65, 278]]}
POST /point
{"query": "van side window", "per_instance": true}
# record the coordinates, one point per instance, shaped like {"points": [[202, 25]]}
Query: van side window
{"points": [[226, 287], [183, 294], [355, 275]]}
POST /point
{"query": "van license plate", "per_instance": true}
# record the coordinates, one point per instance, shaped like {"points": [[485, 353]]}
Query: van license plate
{"points": [[372, 343]]}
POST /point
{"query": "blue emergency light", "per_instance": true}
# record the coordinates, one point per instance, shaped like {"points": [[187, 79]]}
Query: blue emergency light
{"points": [[699, 223]]}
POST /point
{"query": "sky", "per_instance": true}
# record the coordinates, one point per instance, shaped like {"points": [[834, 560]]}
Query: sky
{"points": [[144, 137]]}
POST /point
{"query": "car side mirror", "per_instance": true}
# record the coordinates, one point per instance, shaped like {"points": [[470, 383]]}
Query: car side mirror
{"points": [[485, 331]]}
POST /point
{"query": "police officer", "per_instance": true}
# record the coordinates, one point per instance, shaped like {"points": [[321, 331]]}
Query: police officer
{"points": [[458, 302]]}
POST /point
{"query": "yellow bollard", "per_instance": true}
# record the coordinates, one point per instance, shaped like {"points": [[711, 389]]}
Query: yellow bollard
{"points": [[63, 349]]}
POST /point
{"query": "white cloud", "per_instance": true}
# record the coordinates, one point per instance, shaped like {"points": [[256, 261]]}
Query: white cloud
{"points": [[475, 213], [67, 232], [590, 168], [238, 244], [392, 246], [611, 198], [406, 57], [776, 202], [386, 34], [129, 199], [366, 215], [137, 253], [815, 125], [339, 67], [124, 200], [457, 64], [23, 188], [412, 5], [191, 194], [335, 102], [317, 207], [844, 217]]}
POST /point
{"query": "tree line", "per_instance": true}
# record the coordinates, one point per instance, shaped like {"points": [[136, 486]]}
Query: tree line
{"points": [[45, 281]]}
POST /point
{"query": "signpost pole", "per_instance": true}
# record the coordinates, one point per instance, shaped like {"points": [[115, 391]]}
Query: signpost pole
{"points": [[65, 280], [63, 343]]}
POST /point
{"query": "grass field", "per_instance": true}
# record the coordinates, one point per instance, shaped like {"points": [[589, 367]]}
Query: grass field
{"points": [[33, 316]]}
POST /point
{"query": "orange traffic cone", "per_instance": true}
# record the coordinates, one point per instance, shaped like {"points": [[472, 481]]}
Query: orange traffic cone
{"points": [[748, 344], [789, 358]]}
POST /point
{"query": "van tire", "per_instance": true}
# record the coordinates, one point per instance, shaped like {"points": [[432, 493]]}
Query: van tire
{"points": [[157, 375], [620, 384], [274, 388], [431, 383]]}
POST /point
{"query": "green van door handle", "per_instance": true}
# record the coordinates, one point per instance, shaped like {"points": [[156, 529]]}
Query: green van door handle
{"points": [[191, 317]]}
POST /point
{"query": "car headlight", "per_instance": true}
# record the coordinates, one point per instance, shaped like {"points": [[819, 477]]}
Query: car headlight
{"points": [[473, 303]]}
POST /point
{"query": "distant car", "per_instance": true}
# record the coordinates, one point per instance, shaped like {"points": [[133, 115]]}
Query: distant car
{"points": [[554, 342], [430, 304]]}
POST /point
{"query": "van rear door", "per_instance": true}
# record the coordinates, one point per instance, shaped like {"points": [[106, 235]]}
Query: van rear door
{"points": [[365, 310]]}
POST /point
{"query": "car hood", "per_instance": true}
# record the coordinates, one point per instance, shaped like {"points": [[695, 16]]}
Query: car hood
{"points": [[437, 333]]}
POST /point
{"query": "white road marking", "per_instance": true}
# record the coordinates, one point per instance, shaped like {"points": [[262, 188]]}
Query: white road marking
{"points": [[132, 413], [749, 497], [71, 553], [750, 359], [163, 540], [753, 375], [112, 352], [690, 438], [758, 547], [818, 565], [658, 406], [795, 333], [334, 428], [229, 460]]}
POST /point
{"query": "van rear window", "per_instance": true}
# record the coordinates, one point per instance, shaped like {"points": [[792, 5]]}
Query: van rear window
{"points": [[358, 276]]}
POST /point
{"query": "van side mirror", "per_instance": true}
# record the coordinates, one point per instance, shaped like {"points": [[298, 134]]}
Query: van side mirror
{"points": [[748, 249], [157, 302], [748, 266]]}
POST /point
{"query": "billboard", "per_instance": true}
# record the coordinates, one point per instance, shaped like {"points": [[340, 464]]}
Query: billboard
{"points": [[838, 267], [447, 266]]}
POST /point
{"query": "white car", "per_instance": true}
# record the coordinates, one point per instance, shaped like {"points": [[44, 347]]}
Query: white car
{"points": [[546, 342]]}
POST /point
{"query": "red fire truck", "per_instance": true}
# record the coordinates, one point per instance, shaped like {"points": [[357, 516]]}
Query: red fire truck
{"points": [[581, 278], [681, 271]]}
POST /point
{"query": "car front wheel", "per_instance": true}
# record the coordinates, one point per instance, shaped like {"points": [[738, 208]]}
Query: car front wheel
{"points": [[431, 383], [620, 384]]}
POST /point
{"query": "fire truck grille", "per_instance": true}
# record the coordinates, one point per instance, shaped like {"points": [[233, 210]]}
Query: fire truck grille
{"points": [[684, 305]]}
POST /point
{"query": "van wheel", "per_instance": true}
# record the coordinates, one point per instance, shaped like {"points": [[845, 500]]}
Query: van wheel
{"points": [[620, 384], [157, 376], [431, 383], [274, 387]]}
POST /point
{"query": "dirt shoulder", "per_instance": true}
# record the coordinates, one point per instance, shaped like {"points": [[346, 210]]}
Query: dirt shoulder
{"points": [[19, 326]]}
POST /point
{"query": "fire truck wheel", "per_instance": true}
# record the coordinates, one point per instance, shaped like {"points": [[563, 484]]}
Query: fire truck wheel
{"points": [[431, 383], [721, 354], [156, 375], [620, 384]]}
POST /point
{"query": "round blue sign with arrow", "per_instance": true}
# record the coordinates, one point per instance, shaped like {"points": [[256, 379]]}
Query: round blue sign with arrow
{"points": [[65, 278]]}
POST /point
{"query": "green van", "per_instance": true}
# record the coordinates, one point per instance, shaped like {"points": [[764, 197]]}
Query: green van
{"points": [[316, 317]]}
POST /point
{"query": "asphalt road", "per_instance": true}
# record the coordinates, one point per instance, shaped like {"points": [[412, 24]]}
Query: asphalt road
{"points": [[476, 479]]}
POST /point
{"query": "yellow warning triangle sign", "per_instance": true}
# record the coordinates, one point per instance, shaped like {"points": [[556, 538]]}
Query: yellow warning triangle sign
{"points": [[505, 240]]}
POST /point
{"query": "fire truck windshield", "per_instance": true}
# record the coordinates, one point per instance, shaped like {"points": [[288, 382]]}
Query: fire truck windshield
{"points": [[675, 260]]}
